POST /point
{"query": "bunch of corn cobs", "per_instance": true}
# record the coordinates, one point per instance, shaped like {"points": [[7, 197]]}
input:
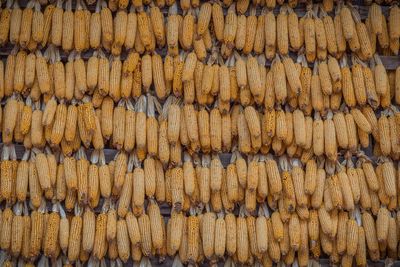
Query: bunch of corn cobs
{"points": [[303, 105]]}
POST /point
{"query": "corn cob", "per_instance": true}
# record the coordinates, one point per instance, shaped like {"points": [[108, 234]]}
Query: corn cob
{"points": [[75, 236], [9, 72], [348, 200], [67, 27], [158, 75], [193, 237], [5, 21], [172, 28], [22, 177], [282, 31], [17, 231], [25, 250], [19, 76], [82, 166], [107, 30], [100, 245], [42, 73], [275, 185], [320, 37], [330, 138], [123, 240], [11, 110], [230, 26], [341, 129], [242, 240], [26, 25], [270, 35], [6, 219], [292, 75], [325, 80], [42, 167], [273, 245], [115, 79], [41, 24], [309, 37], [375, 15], [370, 232], [392, 242], [126, 193], [380, 77]]}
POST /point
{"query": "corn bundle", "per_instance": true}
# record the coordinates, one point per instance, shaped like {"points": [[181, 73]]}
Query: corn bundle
{"points": [[324, 195], [240, 27], [241, 132]]}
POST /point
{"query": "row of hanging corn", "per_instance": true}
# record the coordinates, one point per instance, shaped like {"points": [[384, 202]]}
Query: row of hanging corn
{"points": [[324, 29], [245, 129], [291, 210]]}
